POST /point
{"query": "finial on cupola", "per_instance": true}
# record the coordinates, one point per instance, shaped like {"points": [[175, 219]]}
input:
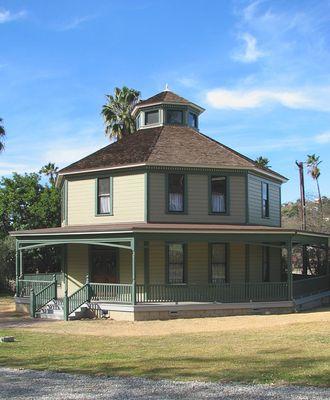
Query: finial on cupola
{"points": [[166, 88]]}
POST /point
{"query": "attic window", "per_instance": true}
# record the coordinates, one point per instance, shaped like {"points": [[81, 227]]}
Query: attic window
{"points": [[151, 117], [174, 117], [192, 120]]}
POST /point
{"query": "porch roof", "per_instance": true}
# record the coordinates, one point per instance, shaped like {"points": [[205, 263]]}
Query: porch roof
{"points": [[143, 227]]}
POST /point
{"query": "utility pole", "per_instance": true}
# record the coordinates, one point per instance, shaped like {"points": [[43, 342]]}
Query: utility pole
{"points": [[300, 165]]}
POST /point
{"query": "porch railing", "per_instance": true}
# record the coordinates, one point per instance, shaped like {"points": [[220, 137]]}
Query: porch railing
{"points": [[222, 293], [26, 285], [41, 298], [310, 286], [45, 277], [76, 300], [116, 293]]}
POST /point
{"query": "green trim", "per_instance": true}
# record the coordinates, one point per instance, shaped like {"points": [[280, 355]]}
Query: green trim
{"points": [[97, 214], [185, 194], [185, 262], [228, 184], [134, 272], [247, 206], [64, 203], [280, 206], [289, 270], [146, 196]]}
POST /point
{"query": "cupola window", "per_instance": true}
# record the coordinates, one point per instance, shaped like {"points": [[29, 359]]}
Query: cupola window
{"points": [[174, 117], [192, 120], [151, 117]]}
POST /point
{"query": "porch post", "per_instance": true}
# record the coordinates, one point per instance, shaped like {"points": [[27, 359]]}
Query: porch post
{"points": [[146, 269], [289, 269], [133, 271], [21, 273], [17, 269]]}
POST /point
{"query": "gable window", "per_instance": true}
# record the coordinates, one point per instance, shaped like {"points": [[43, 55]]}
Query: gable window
{"points": [[104, 196], [176, 263], [265, 199], [218, 194], [174, 117], [265, 264], [151, 117], [218, 263], [176, 192], [63, 203], [192, 120]]}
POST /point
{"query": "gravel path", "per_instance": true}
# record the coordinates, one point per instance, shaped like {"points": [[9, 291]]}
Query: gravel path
{"points": [[26, 384]]}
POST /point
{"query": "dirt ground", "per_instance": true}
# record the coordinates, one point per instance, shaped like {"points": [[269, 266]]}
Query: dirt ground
{"points": [[10, 319]]}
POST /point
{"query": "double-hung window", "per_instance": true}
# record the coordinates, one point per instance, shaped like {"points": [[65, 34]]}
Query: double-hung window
{"points": [[218, 273], [176, 263], [174, 117], [104, 200], [265, 264], [176, 192], [265, 199], [151, 117], [218, 194]]}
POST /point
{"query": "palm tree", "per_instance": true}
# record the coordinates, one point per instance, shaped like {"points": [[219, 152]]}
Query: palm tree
{"points": [[50, 170], [262, 162], [117, 113], [313, 162], [2, 135]]}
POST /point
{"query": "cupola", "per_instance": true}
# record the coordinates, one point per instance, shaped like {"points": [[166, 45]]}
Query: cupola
{"points": [[166, 108]]}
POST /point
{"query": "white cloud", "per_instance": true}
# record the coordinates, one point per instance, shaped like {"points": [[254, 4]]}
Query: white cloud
{"points": [[8, 16], [323, 138], [305, 98], [250, 53], [75, 23]]}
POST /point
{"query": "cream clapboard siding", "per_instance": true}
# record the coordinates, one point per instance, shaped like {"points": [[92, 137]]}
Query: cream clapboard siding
{"points": [[198, 202], [77, 266], [125, 265], [237, 264], [254, 201], [255, 264], [157, 262], [198, 254], [128, 200]]}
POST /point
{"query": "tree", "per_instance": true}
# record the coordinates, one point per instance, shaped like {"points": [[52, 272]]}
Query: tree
{"points": [[262, 162], [117, 113], [313, 163], [50, 170], [2, 135]]}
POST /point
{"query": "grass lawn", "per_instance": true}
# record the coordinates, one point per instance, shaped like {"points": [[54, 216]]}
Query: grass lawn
{"points": [[296, 353]]}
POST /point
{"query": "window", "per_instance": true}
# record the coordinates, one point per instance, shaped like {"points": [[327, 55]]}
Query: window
{"points": [[218, 263], [174, 117], [63, 201], [104, 196], [176, 192], [265, 199], [138, 122], [265, 264], [192, 120], [218, 194], [176, 261], [151, 117]]}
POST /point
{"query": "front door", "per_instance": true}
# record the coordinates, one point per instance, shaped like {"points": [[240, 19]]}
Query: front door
{"points": [[104, 264]]}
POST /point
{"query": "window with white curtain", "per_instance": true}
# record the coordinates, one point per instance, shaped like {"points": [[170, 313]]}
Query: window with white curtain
{"points": [[103, 196], [218, 262], [176, 261], [218, 194], [176, 192]]}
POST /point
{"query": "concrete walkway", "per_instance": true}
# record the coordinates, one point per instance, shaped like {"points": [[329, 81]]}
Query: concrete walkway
{"points": [[26, 384]]}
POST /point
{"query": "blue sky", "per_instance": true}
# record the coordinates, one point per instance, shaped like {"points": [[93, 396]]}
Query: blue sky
{"points": [[260, 68]]}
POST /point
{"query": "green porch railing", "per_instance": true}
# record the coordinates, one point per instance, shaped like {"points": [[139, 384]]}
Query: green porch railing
{"points": [[76, 300], [45, 277], [222, 293], [26, 285], [310, 286], [114, 292], [42, 297]]}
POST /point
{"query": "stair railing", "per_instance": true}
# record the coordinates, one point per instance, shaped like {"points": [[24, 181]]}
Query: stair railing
{"points": [[77, 299], [42, 297]]}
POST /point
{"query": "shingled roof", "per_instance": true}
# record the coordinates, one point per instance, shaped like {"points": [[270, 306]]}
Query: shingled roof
{"points": [[166, 145], [166, 96]]}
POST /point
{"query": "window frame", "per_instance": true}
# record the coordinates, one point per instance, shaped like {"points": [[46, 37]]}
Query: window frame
{"points": [[97, 196], [226, 261], [156, 110], [185, 194], [184, 264], [265, 261], [227, 200], [196, 118], [64, 201], [265, 213], [182, 111]]}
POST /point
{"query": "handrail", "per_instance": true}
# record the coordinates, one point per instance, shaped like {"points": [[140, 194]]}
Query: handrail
{"points": [[42, 297], [26, 285], [47, 276], [114, 292], [76, 300]]}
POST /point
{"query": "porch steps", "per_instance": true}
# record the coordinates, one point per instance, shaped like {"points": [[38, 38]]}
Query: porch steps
{"points": [[52, 310]]}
